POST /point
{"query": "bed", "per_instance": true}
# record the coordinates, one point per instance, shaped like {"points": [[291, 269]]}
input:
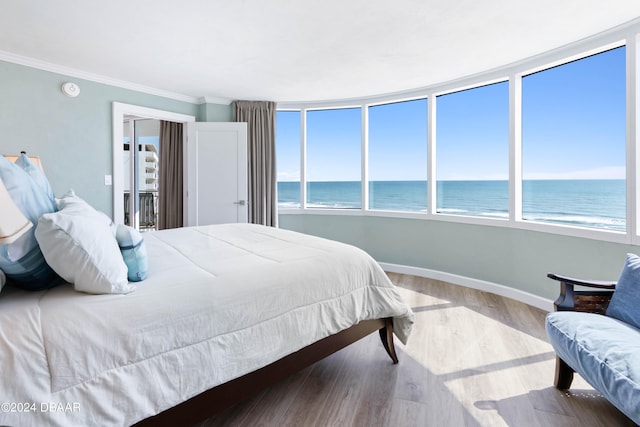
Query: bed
{"points": [[225, 311]]}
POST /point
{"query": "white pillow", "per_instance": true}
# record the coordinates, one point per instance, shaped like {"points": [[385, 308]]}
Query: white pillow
{"points": [[70, 200], [78, 243]]}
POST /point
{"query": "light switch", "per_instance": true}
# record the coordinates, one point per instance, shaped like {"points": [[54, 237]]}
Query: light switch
{"points": [[107, 180]]}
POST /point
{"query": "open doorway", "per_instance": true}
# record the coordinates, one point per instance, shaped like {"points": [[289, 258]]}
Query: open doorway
{"points": [[141, 166], [136, 176]]}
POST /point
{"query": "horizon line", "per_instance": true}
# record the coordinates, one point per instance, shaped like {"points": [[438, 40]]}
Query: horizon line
{"points": [[466, 180]]}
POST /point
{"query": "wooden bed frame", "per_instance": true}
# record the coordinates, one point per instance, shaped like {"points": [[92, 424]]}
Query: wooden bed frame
{"points": [[225, 395]]}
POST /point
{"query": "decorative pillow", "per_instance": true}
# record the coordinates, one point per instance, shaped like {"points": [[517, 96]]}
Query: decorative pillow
{"points": [[36, 174], [69, 199], [22, 261], [625, 302], [134, 252], [79, 245]]}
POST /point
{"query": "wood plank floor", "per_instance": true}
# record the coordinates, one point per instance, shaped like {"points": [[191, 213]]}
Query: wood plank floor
{"points": [[473, 359]]}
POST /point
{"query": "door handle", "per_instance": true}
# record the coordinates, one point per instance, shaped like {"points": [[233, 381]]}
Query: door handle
{"points": [[240, 202]]}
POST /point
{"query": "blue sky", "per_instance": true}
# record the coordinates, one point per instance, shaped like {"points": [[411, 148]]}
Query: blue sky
{"points": [[574, 119], [397, 133], [472, 134], [288, 145], [573, 127]]}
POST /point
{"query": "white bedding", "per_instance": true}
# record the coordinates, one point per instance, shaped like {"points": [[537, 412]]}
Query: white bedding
{"points": [[219, 302]]}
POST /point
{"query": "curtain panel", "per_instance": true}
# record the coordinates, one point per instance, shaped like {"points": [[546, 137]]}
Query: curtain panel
{"points": [[170, 190], [260, 117]]}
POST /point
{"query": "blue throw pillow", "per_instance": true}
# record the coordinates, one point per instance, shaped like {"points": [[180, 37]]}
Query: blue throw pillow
{"points": [[22, 261], [134, 252], [625, 303], [36, 174]]}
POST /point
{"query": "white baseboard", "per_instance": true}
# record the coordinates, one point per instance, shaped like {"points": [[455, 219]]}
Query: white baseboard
{"points": [[482, 285]]}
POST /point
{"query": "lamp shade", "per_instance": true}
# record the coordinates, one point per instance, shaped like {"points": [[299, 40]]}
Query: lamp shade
{"points": [[13, 223]]}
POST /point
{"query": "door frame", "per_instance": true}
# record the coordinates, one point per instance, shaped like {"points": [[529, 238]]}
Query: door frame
{"points": [[192, 156], [119, 111]]}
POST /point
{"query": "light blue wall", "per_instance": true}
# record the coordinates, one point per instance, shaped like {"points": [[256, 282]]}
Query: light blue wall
{"points": [[72, 136], [215, 113], [506, 256]]}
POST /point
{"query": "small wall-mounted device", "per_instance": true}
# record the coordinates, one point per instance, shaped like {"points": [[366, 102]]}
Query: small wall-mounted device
{"points": [[71, 89]]}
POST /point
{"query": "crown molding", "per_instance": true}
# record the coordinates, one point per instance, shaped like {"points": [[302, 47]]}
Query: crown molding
{"points": [[72, 72], [214, 100]]}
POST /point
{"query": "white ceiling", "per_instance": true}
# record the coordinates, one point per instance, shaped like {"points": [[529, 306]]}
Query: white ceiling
{"points": [[293, 50]]}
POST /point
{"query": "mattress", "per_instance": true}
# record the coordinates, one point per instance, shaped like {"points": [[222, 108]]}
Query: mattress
{"points": [[220, 301]]}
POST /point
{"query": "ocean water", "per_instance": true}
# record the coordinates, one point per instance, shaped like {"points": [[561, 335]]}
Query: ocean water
{"points": [[585, 203]]}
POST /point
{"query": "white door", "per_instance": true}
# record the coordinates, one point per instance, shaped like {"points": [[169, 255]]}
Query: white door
{"points": [[216, 173]]}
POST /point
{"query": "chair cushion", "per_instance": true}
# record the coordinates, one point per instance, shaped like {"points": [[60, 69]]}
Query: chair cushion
{"points": [[625, 302], [604, 351]]}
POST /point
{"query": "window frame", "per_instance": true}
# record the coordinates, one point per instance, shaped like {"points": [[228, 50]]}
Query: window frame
{"points": [[628, 36], [304, 159], [507, 81], [301, 164], [365, 160]]}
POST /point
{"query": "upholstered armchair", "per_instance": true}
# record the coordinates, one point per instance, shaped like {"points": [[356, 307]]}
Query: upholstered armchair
{"points": [[596, 333]]}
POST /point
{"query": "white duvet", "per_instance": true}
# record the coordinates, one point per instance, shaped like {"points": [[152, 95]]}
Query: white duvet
{"points": [[219, 302]]}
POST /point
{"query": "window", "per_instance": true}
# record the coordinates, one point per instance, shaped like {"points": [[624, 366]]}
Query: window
{"points": [[141, 172], [288, 158], [472, 145], [398, 156], [573, 143], [333, 169]]}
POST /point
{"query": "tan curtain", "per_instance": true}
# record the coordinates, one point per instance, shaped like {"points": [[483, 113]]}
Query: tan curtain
{"points": [[260, 117], [170, 190]]}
